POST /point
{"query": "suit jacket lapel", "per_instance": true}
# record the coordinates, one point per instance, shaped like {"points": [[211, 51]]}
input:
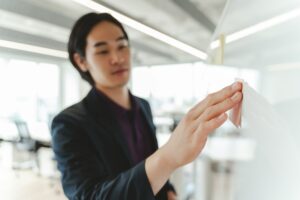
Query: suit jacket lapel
{"points": [[106, 120], [148, 116]]}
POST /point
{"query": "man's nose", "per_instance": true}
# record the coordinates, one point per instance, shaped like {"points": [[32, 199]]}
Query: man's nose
{"points": [[116, 58]]}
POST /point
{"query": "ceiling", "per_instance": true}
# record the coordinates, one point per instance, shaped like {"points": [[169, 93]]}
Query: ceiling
{"points": [[196, 23], [269, 48], [47, 24]]}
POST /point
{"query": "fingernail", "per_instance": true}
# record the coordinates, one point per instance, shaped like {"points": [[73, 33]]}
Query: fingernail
{"points": [[236, 85], [236, 96]]}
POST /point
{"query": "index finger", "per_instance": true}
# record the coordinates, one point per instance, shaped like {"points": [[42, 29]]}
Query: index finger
{"points": [[215, 98]]}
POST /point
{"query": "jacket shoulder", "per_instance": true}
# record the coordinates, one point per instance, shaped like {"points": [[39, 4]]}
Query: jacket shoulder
{"points": [[143, 102], [74, 112]]}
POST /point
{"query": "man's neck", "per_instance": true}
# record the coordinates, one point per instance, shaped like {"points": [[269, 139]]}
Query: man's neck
{"points": [[119, 95]]}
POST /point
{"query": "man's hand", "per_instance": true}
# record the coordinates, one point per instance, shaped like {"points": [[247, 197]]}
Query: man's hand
{"points": [[189, 137]]}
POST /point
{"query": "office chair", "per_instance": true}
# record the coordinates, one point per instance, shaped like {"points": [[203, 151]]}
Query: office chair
{"points": [[29, 144], [26, 145]]}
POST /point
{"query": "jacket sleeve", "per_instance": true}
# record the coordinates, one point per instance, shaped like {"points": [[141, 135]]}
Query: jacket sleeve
{"points": [[169, 187], [84, 175]]}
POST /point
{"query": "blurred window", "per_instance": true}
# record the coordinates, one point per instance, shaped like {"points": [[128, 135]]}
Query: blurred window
{"points": [[29, 90], [178, 87]]}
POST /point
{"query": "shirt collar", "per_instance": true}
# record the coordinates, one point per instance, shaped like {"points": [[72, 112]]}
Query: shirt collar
{"points": [[116, 107]]}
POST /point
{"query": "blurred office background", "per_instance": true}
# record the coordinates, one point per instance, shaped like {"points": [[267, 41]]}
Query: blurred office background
{"points": [[202, 45]]}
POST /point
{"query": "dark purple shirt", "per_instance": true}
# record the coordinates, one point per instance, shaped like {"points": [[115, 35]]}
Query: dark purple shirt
{"points": [[134, 128]]}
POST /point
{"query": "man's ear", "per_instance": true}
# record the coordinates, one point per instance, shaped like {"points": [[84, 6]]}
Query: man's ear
{"points": [[81, 62]]}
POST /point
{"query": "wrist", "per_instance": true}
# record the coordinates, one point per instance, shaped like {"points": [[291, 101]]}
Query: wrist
{"points": [[159, 169], [166, 156]]}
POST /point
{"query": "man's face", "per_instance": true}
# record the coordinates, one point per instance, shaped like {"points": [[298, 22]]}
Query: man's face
{"points": [[108, 56]]}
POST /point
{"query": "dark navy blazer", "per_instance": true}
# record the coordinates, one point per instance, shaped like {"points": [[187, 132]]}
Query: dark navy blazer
{"points": [[93, 156]]}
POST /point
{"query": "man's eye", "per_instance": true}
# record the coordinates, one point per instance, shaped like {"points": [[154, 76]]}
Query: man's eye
{"points": [[103, 52], [122, 47]]}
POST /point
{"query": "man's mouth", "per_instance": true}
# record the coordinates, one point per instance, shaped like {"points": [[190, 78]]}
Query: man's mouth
{"points": [[119, 71]]}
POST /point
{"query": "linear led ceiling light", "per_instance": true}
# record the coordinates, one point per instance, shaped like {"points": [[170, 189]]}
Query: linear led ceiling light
{"points": [[259, 27], [33, 49], [144, 29]]}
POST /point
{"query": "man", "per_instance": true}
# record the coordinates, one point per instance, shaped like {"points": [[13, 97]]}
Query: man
{"points": [[105, 145]]}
